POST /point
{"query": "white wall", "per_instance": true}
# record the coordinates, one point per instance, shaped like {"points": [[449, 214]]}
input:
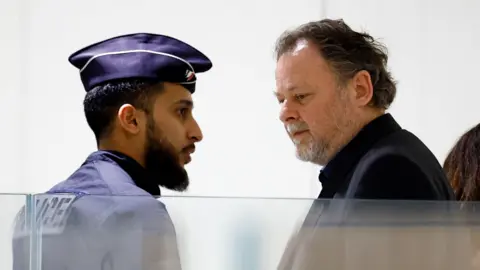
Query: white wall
{"points": [[11, 92]]}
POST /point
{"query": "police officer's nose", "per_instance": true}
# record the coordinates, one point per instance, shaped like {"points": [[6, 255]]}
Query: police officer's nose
{"points": [[288, 113], [195, 133]]}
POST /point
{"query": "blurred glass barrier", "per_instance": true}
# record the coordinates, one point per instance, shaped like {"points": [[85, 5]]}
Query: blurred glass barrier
{"points": [[67, 231], [11, 203]]}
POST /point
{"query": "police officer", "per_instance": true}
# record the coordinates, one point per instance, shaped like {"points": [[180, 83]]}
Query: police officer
{"points": [[139, 105]]}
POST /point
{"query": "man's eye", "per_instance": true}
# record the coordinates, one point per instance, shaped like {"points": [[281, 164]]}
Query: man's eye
{"points": [[299, 97]]}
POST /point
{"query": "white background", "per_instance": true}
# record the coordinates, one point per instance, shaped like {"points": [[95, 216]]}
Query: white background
{"points": [[44, 137]]}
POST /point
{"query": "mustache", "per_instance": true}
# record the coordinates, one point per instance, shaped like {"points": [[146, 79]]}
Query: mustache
{"points": [[189, 148], [293, 128]]}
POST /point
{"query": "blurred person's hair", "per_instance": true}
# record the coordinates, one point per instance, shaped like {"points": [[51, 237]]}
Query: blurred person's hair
{"points": [[462, 166]]}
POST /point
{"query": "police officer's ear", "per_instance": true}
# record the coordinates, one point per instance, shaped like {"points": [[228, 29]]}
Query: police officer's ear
{"points": [[130, 119]]}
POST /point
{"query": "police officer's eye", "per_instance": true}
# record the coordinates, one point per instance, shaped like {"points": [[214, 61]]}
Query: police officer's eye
{"points": [[182, 112]]}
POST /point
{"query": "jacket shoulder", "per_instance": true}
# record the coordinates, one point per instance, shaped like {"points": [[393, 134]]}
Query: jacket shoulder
{"points": [[87, 179], [388, 172]]}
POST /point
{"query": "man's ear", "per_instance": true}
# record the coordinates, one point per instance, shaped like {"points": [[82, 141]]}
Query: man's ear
{"points": [[130, 119], [362, 84]]}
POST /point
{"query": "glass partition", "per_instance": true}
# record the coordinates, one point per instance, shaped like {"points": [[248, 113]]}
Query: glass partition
{"points": [[96, 232], [11, 204]]}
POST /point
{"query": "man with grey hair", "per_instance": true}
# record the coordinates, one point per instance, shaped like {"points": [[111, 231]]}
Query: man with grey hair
{"points": [[334, 89]]}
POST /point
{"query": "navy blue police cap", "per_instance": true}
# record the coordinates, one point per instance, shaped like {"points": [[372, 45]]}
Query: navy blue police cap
{"points": [[140, 56]]}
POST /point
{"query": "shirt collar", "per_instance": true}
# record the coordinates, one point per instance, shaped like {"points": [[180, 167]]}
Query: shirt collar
{"points": [[136, 171]]}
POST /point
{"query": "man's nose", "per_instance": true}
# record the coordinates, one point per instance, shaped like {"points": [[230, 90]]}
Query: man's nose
{"points": [[288, 113]]}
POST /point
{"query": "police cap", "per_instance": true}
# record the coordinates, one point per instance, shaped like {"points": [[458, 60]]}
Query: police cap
{"points": [[140, 56]]}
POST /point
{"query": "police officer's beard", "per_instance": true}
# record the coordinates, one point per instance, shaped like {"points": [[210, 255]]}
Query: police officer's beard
{"points": [[162, 162]]}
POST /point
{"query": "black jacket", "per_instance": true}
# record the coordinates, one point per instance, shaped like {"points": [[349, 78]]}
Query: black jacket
{"points": [[384, 161]]}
